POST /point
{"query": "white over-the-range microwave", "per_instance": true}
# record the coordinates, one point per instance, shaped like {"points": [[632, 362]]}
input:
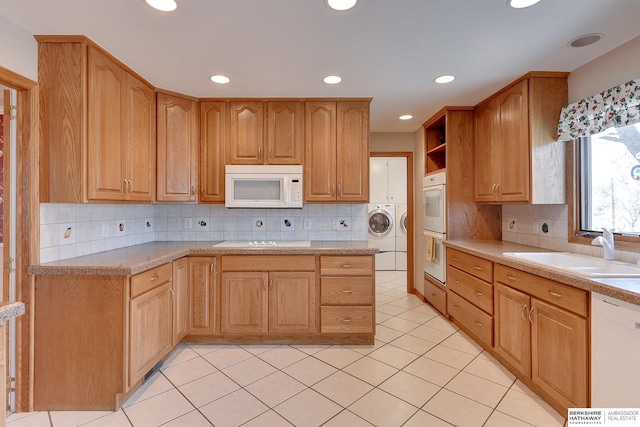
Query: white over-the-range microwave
{"points": [[263, 186]]}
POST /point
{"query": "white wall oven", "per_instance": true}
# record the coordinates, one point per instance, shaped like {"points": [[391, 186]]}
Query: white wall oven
{"points": [[435, 225]]}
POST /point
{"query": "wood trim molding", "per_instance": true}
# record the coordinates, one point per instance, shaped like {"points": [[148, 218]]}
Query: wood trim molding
{"points": [[27, 226]]}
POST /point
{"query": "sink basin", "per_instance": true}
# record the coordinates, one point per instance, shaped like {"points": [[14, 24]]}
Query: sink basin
{"points": [[582, 265], [264, 244]]}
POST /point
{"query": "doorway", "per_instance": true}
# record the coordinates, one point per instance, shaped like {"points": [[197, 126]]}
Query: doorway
{"points": [[408, 156]]}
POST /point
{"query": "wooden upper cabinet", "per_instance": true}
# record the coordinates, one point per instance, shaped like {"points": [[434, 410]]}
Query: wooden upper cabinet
{"points": [[213, 131], [517, 158], [140, 134], [352, 173], [97, 125], [177, 145], [284, 132], [246, 133], [320, 152], [337, 151]]}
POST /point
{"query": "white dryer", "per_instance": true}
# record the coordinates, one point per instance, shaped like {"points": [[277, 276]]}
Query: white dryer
{"points": [[381, 233], [401, 237]]}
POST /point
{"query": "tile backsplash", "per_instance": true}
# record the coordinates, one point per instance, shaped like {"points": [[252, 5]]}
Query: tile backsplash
{"points": [[525, 224], [101, 227]]}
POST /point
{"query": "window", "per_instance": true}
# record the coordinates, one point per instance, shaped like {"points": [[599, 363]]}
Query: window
{"points": [[610, 180]]}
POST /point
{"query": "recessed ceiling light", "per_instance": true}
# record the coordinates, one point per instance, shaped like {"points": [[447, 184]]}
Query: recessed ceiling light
{"points": [[220, 79], [521, 4], [444, 79], [332, 80], [585, 40], [341, 4], [406, 117], [163, 5]]}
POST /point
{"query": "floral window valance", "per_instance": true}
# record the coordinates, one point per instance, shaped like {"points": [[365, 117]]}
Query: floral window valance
{"points": [[615, 107]]}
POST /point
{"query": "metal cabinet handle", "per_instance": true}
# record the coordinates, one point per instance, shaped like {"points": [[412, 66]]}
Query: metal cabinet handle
{"points": [[333, 189], [346, 320], [270, 152], [347, 265], [524, 308], [510, 277], [172, 293], [456, 307], [154, 278], [497, 188], [478, 323], [259, 152], [555, 294], [530, 313], [340, 189], [456, 259], [475, 267], [347, 291], [271, 284], [479, 294]]}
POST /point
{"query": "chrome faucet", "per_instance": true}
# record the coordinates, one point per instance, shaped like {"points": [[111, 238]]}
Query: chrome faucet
{"points": [[607, 243]]}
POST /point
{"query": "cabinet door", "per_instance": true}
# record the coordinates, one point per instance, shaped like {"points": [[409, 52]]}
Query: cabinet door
{"points": [[397, 167], [284, 132], [180, 299], [352, 170], [244, 303], [320, 152], [140, 138], [213, 129], [512, 333], [559, 354], [150, 331], [486, 159], [515, 149], [105, 133], [177, 148], [292, 302], [246, 136], [202, 281]]}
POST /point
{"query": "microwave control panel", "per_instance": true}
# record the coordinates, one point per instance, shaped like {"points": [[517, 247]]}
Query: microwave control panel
{"points": [[295, 191]]}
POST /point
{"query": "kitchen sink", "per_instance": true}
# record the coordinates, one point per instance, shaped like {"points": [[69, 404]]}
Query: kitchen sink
{"points": [[582, 265], [264, 244]]}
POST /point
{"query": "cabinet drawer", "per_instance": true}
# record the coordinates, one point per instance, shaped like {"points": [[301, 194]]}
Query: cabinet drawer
{"points": [[436, 296], [471, 288], [346, 320], [143, 282], [353, 265], [268, 263], [471, 317], [565, 296], [346, 290], [476, 266]]}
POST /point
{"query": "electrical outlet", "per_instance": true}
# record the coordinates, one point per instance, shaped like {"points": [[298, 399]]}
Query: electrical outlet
{"points": [[105, 229], [307, 223], [188, 223]]}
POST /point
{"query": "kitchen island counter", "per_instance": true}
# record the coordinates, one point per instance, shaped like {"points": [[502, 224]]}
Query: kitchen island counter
{"points": [[136, 259]]}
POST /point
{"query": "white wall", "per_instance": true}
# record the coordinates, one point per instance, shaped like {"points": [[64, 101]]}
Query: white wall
{"points": [[418, 169], [18, 50], [391, 141], [611, 69]]}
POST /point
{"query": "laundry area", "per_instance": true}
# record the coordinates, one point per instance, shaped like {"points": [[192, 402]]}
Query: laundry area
{"points": [[387, 213]]}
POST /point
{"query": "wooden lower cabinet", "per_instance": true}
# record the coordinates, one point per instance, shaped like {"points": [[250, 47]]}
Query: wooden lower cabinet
{"points": [[202, 296], [541, 331], [278, 298], [150, 330], [346, 289], [180, 299]]}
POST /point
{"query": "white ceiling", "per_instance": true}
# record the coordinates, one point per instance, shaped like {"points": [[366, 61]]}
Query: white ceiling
{"points": [[389, 50]]}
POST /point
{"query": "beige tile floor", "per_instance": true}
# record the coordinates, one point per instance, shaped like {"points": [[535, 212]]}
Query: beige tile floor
{"points": [[422, 371]]}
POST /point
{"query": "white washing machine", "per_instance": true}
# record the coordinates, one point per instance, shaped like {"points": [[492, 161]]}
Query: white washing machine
{"points": [[401, 237], [381, 233]]}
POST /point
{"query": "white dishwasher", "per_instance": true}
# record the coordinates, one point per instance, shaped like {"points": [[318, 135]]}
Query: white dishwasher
{"points": [[615, 353]]}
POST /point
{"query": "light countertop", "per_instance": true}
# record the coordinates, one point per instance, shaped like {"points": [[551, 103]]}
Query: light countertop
{"points": [[139, 258], [625, 289], [9, 310]]}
